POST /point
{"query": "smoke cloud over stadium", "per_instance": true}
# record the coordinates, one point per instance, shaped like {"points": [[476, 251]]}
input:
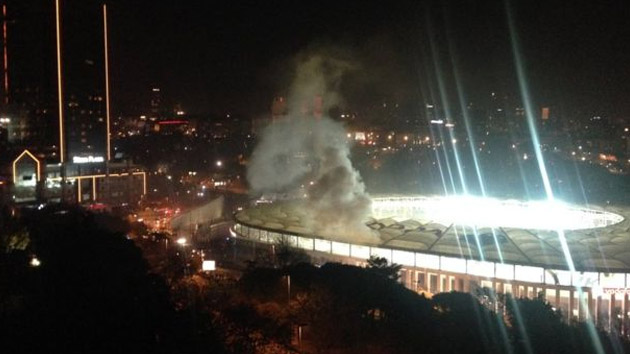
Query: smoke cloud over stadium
{"points": [[306, 156]]}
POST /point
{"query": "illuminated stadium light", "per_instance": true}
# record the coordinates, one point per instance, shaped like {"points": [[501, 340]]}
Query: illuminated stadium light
{"points": [[488, 212]]}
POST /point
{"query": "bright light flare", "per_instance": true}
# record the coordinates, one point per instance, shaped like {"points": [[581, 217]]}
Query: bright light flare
{"points": [[489, 212], [208, 266]]}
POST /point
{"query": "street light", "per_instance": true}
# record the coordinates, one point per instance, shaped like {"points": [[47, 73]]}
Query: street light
{"points": [[183, 242]]}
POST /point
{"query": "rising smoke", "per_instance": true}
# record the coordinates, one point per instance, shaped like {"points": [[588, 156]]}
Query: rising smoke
{"points": [[309, 157]]}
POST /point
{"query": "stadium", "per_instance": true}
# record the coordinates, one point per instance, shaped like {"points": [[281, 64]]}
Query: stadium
{"points": [[468, 243]]}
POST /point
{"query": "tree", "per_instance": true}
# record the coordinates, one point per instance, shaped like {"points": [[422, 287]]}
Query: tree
{"points": [[381, 266], [466, 325], [286, 255], [91, 292]]}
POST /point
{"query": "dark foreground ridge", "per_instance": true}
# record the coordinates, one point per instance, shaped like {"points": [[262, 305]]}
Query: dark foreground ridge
{"points": [[91, 291]]}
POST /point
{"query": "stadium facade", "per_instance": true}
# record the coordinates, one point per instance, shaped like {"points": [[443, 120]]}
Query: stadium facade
{"points": [[464, 244]]}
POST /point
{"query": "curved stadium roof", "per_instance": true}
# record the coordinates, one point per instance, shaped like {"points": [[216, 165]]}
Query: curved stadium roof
{"points": [[605, 248]]}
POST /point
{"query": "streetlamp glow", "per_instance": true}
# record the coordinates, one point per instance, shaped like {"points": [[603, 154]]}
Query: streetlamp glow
{"points": [[208, 266], [182, 241]]}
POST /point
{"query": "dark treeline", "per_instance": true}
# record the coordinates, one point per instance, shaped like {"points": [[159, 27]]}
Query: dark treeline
{"points": [[93, 292]]}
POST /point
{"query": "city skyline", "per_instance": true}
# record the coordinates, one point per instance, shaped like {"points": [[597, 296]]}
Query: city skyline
{"points": [[237, 58]]}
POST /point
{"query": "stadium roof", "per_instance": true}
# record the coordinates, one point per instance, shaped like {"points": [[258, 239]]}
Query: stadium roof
{"points": [[595, 249]]}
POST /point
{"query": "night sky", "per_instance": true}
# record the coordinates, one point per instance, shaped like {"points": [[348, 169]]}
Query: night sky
{"points": [[235, 56]]}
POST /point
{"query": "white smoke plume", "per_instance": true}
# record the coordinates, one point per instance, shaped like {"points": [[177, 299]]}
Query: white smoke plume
{"points": [[305, 154]]}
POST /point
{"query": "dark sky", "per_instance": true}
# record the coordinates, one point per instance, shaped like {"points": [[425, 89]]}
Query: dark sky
{"points": [[234, 56]]}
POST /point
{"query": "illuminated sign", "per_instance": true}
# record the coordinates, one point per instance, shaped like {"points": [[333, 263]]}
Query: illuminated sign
{"points": [[171, 122], [208, 266], [88, 159], [28, 180], [360, 136]]}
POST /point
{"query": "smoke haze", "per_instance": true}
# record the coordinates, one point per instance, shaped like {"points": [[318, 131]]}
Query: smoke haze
{"points": [[307, 156]]}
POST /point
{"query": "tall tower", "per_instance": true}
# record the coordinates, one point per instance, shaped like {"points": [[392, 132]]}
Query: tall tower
{"points": [[62, 143], [5, 55], [107, 113], [156, 102]]}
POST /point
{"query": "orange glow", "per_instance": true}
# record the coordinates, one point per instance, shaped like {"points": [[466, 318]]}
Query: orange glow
{"points": [[79, 190], [6, 55], [109, 157], [28, 153], [144, 183], [545, 113], [99, 176], [59, 85], [93, 188], [93, 177], [607, 157]]}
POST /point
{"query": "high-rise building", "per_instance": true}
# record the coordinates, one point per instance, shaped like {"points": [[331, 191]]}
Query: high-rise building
{"points": [[156, 103], [75, 164], [83, 81], [27, 103]]}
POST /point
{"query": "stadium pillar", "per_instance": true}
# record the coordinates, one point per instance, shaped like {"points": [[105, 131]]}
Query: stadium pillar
{"points": [[611, 307], [571, 305], [500, 288], [466, 285], [598, 309], [581, 305], [591, 305], [624, 324]]}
